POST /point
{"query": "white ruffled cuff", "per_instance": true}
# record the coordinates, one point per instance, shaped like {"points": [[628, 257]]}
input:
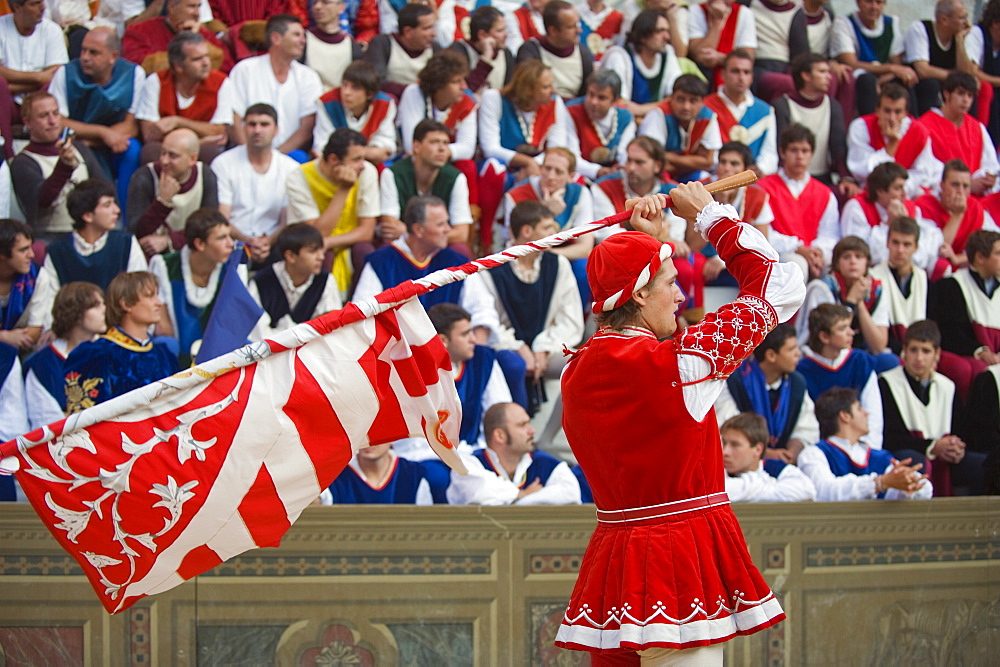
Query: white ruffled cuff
{"points": [[711, 214]]}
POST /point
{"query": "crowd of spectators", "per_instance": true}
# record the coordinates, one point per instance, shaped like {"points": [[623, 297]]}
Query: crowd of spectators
{"points": [[349, 145]]}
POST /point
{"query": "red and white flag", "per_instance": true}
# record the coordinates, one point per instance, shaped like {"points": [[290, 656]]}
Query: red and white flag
{"points": [[165, 482]]}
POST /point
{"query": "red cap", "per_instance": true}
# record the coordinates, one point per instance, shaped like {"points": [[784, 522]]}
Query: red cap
{"points": [[621, 264]]}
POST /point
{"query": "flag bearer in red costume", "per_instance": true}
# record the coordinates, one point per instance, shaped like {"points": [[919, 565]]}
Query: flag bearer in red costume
{"points": [[666, 575]]}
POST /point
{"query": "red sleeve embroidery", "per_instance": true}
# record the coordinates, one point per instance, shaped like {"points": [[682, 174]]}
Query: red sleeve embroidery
{"points": [[726, 337]]}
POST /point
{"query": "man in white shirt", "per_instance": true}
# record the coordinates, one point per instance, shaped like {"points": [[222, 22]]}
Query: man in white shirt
{"points": [[251, 182], [509, 470], [933, 59], [750, 477], [31, 48], [279, 79], [843, 467]]}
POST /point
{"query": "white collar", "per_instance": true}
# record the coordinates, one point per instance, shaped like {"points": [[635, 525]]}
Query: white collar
{"points": [[85, 249]]}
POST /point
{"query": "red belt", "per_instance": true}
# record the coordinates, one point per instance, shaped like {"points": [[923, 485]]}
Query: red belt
{"points": [[664, 509]]}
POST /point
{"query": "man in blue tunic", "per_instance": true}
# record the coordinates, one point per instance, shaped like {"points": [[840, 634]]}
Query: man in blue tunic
{"points": [[844, 467], [124, 358]]}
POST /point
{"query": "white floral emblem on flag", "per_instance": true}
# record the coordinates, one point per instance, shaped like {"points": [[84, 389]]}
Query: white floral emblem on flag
{"points": [[161, 484]]}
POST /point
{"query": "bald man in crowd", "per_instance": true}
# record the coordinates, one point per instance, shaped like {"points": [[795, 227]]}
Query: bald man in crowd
{"points": [[164, 193]]}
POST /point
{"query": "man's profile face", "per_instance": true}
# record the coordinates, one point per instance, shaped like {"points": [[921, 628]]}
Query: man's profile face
{"points": [[96, 59], [739, 456], [958, 100], [598, 101], [21, 254], [197, 63], [44, 123], [460, 341], [786, 358]]}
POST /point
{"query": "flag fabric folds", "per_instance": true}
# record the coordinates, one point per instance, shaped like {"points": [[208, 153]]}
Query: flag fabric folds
{"points": [[161, 484], [235, 312]]}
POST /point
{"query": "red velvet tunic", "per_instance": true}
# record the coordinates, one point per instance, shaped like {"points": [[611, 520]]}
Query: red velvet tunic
{"points": [[681, 577]]}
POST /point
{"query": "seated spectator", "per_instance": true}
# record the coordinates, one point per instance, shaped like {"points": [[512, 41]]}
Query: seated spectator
{"points": [[871, 44], [450, 18], [146, 42], [536, 297], [850, 285], [743, 117], [250, 180], [687, 129], [769, 385], [750, 202], [376, 476], [509, 470], [44, 172], [524, 23], [982, 414], [806, 218], [877, 138], [163, 195], [921, 413], [330, 48], [641, 176], [516, 125], [966, 307], [749, 476], [647, 63], [560, 49], [98, 95], [124, 358], [867, 215], [31, 48], [398, 57], [478, 378], [77, 317], [954, 134], [95, 251], [13, 416], [480, 383], [904, 284], [601, 26], [358, 105], [980, 48], [956, 213], [490, 62], [843, 466], [338, 195], [716, 27], [426, 171], [602, 130], [810, 106], [294, 289], [440, 95], [935, 48], [190, 279], [421, 251], [569, 202], [187, 94], [830, 360], [17, 284], [279, 79], [781, 35]]}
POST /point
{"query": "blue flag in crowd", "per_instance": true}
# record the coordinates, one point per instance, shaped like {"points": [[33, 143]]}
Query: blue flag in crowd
{"points": [[234, 315]]}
